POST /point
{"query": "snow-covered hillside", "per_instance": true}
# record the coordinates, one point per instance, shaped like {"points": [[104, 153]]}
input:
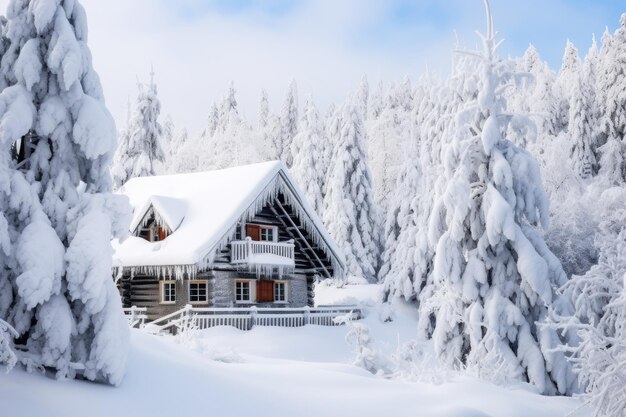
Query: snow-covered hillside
{"points": [[270, 372]]}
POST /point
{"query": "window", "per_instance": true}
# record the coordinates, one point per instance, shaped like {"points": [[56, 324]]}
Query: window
{"points": [[267, 234], [168, 292], [264, 233], [280, 291], [198, 292], [243, 293]]}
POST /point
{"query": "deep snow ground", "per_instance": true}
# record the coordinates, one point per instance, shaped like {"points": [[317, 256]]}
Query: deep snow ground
{"points": [[269, 372]]}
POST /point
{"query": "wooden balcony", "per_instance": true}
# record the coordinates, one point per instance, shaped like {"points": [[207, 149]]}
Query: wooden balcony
{"points": [[261, 252]]}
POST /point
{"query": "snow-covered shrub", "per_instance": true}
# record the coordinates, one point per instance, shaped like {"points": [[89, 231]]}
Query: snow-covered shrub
{"points": [[358, 336]]}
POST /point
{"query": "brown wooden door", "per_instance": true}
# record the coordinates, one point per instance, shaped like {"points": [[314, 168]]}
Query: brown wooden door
{"points": [[253, 231], [265, 291]]}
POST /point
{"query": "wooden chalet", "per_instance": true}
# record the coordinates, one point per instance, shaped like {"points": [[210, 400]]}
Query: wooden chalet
{"points": [[237, 237]]}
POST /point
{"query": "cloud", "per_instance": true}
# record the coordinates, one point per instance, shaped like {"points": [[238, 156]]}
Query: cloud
{"points": [[198, 46], [319, 43]]}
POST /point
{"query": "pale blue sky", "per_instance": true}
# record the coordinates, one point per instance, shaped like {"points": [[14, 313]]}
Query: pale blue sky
{"points": [[545, 23], [198, 46]]}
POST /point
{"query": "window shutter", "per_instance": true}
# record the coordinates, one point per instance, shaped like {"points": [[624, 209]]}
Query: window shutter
{"points": [[265, 291], [253, 231], [161, 233]]}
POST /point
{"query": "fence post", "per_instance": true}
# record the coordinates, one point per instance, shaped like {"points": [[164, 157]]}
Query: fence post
{"points": [[132, 316], [253, 313], [307, 315]]}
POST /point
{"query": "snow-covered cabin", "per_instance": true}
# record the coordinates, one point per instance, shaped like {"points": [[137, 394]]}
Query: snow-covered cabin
{"points": [[234, 237]]}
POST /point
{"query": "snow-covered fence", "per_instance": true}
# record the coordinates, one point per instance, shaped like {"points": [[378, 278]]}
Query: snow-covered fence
{"points": [[247, 318], [242, 249], [136, 316]]}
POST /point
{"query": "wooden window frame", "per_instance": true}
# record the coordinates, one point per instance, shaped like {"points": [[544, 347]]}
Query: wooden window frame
{"points": [[251, 291], [260, 228], [206, 286], [267, 229], [162, 292], [285, 285]]}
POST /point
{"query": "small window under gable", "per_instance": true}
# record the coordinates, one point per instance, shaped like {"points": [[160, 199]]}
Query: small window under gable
{"points": [[158, 218], [150, 229]]}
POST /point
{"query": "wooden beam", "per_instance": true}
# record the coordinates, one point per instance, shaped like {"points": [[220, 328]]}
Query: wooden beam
{"points": [[306, 242]]}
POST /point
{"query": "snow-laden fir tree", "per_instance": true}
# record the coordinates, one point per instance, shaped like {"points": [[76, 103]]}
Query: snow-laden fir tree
{"points": [[227, 113], [541, 97], [582, 121], [389, 137], [306, 148], [362, 96], [57, 216], [571, 68], [612, 89], [178, 144], [600, 312], [405, 94], [375, 102], [332, 132], [167, 137], [406, 268], [212, 122], [495, 278], [402, 234], [350, 215], [264, 111], [139, 153], [230, 144], [288, 124]]}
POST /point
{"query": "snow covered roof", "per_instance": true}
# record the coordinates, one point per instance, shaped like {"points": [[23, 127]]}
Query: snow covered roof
{"points": [[202, 210], [171, 210]]}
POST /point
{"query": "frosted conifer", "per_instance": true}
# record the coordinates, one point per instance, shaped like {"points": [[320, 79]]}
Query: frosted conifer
{"points": [[140, 154], [495, 276], [55, 287], [306, 149], [350, 214]]}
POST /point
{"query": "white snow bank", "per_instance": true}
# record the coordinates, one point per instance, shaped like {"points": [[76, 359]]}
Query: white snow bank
{"points": [[272, 371], [164, 378]]}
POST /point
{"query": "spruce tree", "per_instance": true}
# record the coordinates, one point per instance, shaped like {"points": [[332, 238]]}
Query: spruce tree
{"points": [[350, 214], [306, 149], [289, 125], [363, 94], [583, 122], [55, 231], [264, 110], [494, 276], [140, 154], [375, 102], [612, 87]]}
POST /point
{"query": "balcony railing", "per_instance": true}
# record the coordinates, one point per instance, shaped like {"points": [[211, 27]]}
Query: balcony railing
{"points": [[242, 250]]}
